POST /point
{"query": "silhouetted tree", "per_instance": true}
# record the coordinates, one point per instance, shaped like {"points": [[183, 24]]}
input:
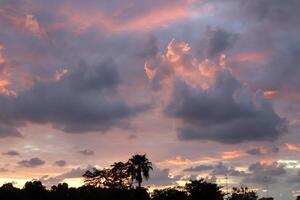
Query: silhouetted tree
{"points": [[98, 178], [243, 193], [61, 191], [35, 189], [114, 183], [169, 194], [200, 189], [120, 175], [8, 191], [139, 167]]}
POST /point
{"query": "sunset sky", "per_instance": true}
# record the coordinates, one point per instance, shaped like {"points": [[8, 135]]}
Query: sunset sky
{"points": [[206, 88]]}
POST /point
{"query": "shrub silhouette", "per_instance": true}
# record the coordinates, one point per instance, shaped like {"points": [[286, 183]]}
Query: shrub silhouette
{"points": [[200, 189], [169, 194]]}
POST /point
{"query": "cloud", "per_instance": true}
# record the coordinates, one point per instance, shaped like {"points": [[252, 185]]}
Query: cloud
{"points": [[292, 147], [227, 112], [31, 163], [84, 99], [87, 152], [209, 101], [161, 177], [284, 60], [73, 173], [11, 153], [262, 151], [60, 163], [26, 22], [221, 169], [264, 173], [8, 131], [199, 168], [126, 17], [218, 169], [3, 169], [273, 10], [218, 41], [294, 179]]}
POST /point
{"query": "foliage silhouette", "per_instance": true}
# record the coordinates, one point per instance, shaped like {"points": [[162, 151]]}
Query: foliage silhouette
{"points": [[139, 167], [120, 175], [243, 193], [115, 183], [200, 189], [169, 194]]}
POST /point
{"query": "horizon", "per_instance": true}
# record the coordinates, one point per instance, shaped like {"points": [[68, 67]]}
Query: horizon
{"points": [[204, 88]]}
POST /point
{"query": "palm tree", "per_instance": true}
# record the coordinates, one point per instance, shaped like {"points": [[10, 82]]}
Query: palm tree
{"points": [[139, 167]]}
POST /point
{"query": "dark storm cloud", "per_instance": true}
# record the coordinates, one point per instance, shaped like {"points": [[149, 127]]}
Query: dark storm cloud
{"points": [[85, 99], [199, 168], [60, 163], [226, 112], [31, 163], [11, 153], [87, 152], [218, 41], [265, 173]]}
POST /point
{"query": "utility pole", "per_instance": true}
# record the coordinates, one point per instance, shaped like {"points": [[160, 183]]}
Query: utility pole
{"points": [[226, 179]]}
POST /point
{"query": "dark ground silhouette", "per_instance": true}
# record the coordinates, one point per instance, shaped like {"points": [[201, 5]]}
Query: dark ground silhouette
{"points": [[122, 181]]}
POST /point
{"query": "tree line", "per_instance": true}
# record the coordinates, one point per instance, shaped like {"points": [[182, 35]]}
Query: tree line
{"points": [[123, 181]]}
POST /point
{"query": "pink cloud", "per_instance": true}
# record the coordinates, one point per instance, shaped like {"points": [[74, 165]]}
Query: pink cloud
{"points": [[117, 21]]}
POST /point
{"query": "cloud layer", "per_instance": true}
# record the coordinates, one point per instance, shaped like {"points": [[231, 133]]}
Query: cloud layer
{"points": [[210, 102]]}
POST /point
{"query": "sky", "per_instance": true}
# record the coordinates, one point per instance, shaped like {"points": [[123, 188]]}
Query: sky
{"points": [[205, 88]]}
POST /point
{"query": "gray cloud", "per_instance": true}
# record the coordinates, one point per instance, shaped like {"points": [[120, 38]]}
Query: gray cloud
{"points": [[218, 41], [262, 152], [60, 163], [264, 173], [199, 168], [161, 177], [221, 169], [87, 152], [8, 131], [83, 100], [282, 62], [31, 163], [73, 173], [218, 169], [11, 153], [273, 10], [294, 179], [227, 112]]}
